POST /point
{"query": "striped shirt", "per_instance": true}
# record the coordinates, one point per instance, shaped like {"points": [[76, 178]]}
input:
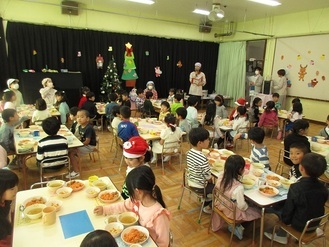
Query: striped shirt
{"points": [[198, 168], [53, 147], [260, 155]]}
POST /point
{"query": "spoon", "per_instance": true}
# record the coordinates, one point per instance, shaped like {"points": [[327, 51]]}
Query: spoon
{"points": [[21, 209]]}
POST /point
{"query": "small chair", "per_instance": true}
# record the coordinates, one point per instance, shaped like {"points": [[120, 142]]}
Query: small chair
{"points": [[220, 198], [242, 130], [96, 150], [314, 229], [200, 195], [271, 126], [281, 167], [119, 147], [171, 149]]}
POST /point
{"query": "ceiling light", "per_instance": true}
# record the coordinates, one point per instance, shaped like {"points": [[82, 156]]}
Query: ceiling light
{"points": [[142, 1], [201, 11], [216, 14], [267, 2]]}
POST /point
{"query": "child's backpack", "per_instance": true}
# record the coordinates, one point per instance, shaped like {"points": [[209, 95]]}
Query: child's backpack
{"points": [[210, 113]]}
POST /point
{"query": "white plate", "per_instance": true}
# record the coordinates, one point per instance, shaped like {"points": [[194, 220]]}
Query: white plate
{"points": [[274, 191], [138, 228], [115, 198]]}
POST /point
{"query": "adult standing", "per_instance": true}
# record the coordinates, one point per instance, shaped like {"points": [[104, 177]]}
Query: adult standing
{"points": [[48, 91], [258, 80], [280, 87], [14, 86], [197, 80]]}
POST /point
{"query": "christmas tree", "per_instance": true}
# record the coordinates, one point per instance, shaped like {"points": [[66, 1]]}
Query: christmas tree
{"points": [[111, 82], [129, 74]]}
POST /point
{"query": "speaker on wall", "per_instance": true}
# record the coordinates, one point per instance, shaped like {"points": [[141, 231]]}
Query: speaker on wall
{"points": [[70, 8], [205, 27]]}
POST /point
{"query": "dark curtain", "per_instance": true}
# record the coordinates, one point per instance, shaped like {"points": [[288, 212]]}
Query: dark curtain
{"points": [[37, 47], [4, 71]]}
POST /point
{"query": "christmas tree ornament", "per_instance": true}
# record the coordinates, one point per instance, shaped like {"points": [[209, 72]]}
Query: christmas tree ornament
{"points": [[147, 53], [99, 61], [62, 60], [179, 64], [110, 48], [158, 71], [34, 52], [129, 74], [79, 54]]}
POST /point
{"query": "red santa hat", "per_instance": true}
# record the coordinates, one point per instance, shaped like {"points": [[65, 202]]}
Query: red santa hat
{"points": [[135, 147], [240, 102]]}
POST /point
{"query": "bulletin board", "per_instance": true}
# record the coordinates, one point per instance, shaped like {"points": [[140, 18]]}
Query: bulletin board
{"points": [[306, 61]]}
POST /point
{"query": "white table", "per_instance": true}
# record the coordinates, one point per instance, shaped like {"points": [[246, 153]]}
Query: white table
{"points": [[149, 126], [34, 233]]}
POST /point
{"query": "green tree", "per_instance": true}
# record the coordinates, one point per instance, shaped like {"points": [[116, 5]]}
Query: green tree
{"points": [[111, 82]]}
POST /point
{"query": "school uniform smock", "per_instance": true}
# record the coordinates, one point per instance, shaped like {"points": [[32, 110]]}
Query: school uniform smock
{"points": [[195, 79], [168, 136]]}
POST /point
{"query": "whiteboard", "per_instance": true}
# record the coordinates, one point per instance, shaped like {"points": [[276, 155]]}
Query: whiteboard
{"points": [[306, 61]]}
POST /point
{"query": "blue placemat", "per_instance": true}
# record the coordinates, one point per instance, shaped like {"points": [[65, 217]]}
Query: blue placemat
{"points": [[75, 224]]}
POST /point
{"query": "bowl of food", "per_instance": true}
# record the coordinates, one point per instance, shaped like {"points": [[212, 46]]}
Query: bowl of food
{"points": [[26, 144], [108, 196], [128, 218], [157, 122], [205, 151], [286, 183], [92, 192], [219, 165], [268, 191], [135, 235], [34, 200], [211, 161], [34, 211], [214, 154], [100, 184], [135, 245], [111, 218], [92, 178], [320, 137], [142, 131], [321, 141], [55, 185], [76, 185], [64, 192], [273, 183], [248, 183], [55, 203], [316, 147], [115, 228], [258, 165], [273, 177], [24, 133], [257, 172]]}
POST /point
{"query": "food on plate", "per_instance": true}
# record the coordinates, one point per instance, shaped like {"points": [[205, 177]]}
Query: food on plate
{"points": [[115, 228], [109, 196], [268, 191], [248, 183], [36, 200], [258, 172], [55, 203], [127, 219], [64, 192], [211, 161], [286, 183], [134, 236], [214, 154], [273, 183], [75, 185], [273, 177], [258, 165]]}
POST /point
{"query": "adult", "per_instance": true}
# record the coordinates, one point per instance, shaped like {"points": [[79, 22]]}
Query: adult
{"points": [[48, 91], [150, 87], [197, 80], [280, 87], [258, 80], [14, 86]]}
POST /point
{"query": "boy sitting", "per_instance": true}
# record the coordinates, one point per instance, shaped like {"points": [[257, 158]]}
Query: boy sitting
{"points": [[325, 131], [89, 105], [275, 99], [108, 108], [259, 152], [197, 164], [183, 123], [140, 99], [73, 116], [192, 112], [87, 137], [148, 108], [296, 153], [125, 99], [306, 198], [126, 129], [177, 103], [116, 120], [52, 146]]}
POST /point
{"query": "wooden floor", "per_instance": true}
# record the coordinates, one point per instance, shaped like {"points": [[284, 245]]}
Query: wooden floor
{"points": [[187, 232]]}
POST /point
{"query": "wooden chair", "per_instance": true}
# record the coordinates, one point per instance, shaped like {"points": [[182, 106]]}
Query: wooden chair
{"points": [[119, 148], [241, 140], [226, 203], [200, 195], [281, 167], [96, 150], [271, 127], [314, 229], [171, 149]]}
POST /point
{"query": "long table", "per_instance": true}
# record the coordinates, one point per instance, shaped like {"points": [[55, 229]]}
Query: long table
{"points": [[77, 207], [73, 142]]}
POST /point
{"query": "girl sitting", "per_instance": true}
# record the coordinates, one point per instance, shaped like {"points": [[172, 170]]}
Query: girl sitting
{"points": [[83, 99], [240, 124], [295, 114], [147, 202], [221, 111], [229, 183], [41, 111], [9, 98], [170, 134], [8, 190], [62, 106], [165, 110], [254, 111], [269, 116]]}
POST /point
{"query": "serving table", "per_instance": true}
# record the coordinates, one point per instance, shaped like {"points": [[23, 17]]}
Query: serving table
{"points": [[74, 220]]}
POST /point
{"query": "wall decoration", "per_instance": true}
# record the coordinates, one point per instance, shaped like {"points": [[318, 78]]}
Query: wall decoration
{"points": [[79, 54], [179, 64], [313, 83], [111, 81], [34, 52], [158, 71], [99, 61], [129, 74], [302, 72]]}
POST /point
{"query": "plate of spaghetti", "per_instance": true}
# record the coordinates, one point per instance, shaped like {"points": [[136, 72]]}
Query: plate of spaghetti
{"points": [[268, 191], [135, 235]]}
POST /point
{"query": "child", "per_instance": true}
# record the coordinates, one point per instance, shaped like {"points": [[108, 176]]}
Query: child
{"points": [[275, 98], [258, 80], [3, 157], [296, 153], [192, 112], [221, 111], [181, 114], [48, 91], [259, 152], [99, 238], [269, 116], [197, 164], [136, 153], [83, 99], [238, 102], [108, 108], [294, 100], [299, 132], [229, 183], [75, 125], [126, 129], [177, 103], [48, 144], [165, 110], [254, 111], [280, 87], [147, 202], [296, 113], [325, 131], [116, 120], [240, 124], [88, 139], [170, 134], [8, 190], [89, 105], [2, 102], [151, 88], [14, 86], [148, 107], [9, 98], [62, 106], [306, 199], [140, 99], [171, 95], [125, 99], [41, 111]]}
